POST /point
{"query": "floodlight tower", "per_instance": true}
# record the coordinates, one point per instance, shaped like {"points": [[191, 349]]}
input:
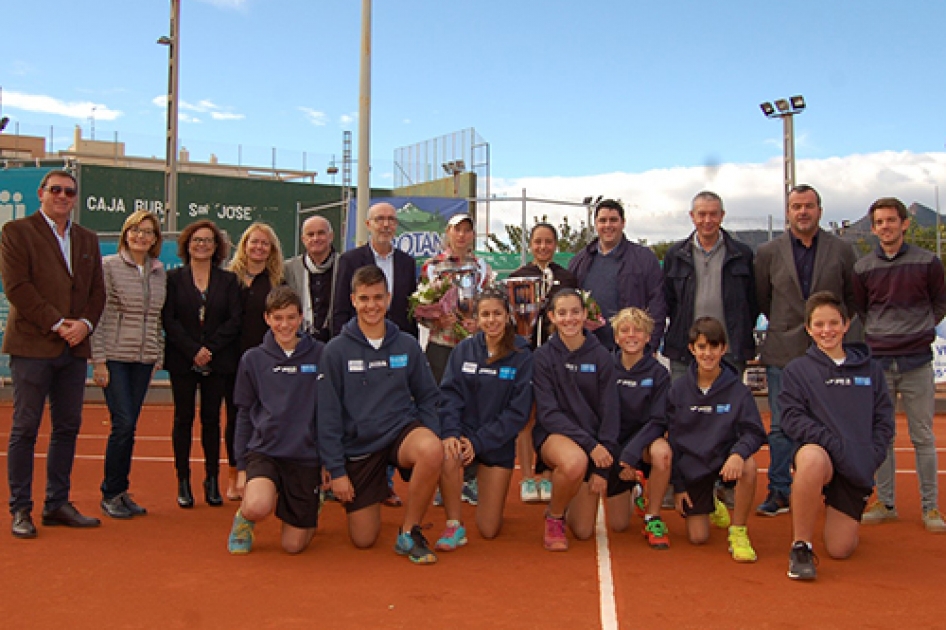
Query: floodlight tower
{"points": [[786, 109], [172, 41]]}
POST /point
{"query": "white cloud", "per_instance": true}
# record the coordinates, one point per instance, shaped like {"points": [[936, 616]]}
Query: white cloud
{"points": [[204, 106], [317, 118], [41, 103], [240, 5], [347, 119], [657, 202]]}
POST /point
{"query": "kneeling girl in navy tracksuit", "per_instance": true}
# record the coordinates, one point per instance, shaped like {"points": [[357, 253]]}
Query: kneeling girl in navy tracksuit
{"points": [[835, 404], [275, 439], [642, 384], [714, 429], [487, 399], [577, 420]]}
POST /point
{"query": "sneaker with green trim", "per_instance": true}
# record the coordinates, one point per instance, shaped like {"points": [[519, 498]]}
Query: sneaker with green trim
{"points": [[638, 497], [453, 536], [413, 545], [655, 531], [241, 535], [739, 545], [720, 516]]}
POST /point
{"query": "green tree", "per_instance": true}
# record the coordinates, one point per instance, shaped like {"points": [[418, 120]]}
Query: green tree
{"points": [[570, 239]]}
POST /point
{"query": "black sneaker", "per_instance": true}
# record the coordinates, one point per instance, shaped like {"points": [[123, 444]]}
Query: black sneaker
{"points": [[413, 545], [134, 508], [776, 503], [802, 562], [115, 507]]}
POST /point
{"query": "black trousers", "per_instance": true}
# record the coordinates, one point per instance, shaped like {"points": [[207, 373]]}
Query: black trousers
{"points": [[184, 386]]}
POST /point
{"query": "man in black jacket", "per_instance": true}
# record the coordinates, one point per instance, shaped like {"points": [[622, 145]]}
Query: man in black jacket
{"points": [[399, 268], [709, 274]]}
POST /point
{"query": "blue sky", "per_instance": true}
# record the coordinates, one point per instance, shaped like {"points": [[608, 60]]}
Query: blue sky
{"points": [[621, 98]]}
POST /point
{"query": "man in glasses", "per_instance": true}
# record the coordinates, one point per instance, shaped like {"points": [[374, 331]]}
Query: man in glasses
{"points": [[52, 275], [399, 268]]}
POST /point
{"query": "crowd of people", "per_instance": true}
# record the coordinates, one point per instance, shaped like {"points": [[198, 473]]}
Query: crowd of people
{"points": [[317, 363]]}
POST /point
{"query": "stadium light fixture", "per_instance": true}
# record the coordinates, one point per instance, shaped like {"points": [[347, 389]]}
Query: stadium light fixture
{"points": [[786, 109]]}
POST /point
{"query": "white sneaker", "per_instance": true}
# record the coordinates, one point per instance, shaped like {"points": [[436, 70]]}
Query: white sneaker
{"points": [[933, 521], [529, 491], [545, 490]]}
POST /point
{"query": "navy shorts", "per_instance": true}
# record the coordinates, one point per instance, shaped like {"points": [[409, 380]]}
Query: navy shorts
{"points": [[846, 497], [369, 473], [616, 485], [298, 488], [702, 494]]}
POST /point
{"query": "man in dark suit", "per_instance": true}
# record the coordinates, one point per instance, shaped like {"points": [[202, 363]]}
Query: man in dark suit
{"points": [[52, 275], [803, 260], [399, 268]]}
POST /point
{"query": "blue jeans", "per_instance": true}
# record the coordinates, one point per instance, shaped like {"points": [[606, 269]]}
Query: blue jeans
{"points": [[781, 447], [127, 385], [62, 380], [917, 393]]}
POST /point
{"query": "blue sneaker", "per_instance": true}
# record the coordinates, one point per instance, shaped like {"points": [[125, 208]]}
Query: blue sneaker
{"points": [[776, 503], [452, 537], [413, 545], [545, 490], [470, 492], [241, 535]]}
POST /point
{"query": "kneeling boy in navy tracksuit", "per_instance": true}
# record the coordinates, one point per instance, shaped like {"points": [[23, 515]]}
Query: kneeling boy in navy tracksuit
{"points": [[835, 405], [378, 407], [714, 429], [275, 440], [642, 384]]}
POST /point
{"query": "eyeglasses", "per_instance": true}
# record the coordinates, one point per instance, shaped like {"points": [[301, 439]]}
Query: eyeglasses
{"points": [[139, 231], [201, 240], [59, 190]]}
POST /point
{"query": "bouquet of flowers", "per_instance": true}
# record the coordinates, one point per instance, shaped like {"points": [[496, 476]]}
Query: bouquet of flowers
{"points": [[593, 317], [432, 300]]}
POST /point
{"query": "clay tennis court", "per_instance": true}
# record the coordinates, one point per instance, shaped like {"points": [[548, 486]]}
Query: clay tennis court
{"points": [[170, 569]]}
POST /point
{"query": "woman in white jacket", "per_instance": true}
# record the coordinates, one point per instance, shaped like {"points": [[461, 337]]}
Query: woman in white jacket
{"points": [[127, 347]]}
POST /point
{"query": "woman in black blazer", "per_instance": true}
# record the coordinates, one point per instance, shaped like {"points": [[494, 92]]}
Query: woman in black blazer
{"points": [[202, 318]]}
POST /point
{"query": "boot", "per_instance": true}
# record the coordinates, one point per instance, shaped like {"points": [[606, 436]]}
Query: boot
{"points": [[185, 498], [212, 492]]}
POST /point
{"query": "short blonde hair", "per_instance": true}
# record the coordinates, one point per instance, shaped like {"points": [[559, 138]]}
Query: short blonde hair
{"points": [[635, 317], [134, 220]]}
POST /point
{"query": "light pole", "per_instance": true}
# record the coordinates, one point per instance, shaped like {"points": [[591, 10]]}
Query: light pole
{"points": [[786, 110], [173, 42], [364, 127]]}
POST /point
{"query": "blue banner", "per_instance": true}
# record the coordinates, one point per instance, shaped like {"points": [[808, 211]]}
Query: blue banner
{"points": [[421, 222]]}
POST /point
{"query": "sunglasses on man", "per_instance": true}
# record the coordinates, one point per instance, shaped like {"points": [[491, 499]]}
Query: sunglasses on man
{"points": [[59, 190]]}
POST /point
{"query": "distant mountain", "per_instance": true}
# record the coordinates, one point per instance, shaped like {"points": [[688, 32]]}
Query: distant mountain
{"points": [[921, 215]]}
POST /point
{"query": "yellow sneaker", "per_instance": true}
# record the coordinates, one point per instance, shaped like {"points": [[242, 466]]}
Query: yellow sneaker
{"points": [[933, 521], [720, 515], [739, 545]]}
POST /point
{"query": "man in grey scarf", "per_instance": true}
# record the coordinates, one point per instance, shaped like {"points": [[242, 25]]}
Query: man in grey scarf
{"points": [[312, 275]]}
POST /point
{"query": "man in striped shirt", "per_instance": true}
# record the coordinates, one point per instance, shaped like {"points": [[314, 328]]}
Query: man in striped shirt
{"points": [[900, 291]]}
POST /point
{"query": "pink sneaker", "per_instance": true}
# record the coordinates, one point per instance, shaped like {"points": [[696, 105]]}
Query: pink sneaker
{"points": [[555, 539]]}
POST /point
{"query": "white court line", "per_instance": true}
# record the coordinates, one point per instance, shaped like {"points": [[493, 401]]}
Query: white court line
{"points": [[609, 617]]}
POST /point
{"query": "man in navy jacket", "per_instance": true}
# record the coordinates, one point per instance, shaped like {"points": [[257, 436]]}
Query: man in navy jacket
{"points": [[620, 273], [399, 268]]}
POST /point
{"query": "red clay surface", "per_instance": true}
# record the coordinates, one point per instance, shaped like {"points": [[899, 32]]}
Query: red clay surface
{"points": [[170, 569]]}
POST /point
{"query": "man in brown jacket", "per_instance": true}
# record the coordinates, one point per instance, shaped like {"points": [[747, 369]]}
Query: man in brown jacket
{"points": [[52, 276]]}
